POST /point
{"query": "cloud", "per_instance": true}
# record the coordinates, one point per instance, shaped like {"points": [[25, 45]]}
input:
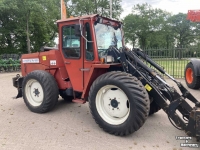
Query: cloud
{"points": [[127, 5], [141, 1], [173, 6]]}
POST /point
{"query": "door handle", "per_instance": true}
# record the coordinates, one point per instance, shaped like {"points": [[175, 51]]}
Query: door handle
{"points": [[67, 62], [85, 69]]}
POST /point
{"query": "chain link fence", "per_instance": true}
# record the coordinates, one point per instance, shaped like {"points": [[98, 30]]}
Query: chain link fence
{"points": [[173, 60]]}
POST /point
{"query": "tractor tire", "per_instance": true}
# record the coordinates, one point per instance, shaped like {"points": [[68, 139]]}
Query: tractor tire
{"points": [[153, 106], [119, 103], [40, 91], [191, 80]]}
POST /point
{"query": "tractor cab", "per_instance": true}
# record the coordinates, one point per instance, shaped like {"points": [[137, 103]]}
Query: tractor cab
{"points": [[84, 42], [89, 37]]}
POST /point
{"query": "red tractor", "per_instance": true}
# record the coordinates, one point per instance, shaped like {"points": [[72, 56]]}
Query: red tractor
{"points": [[192, 70], [92, 64]]}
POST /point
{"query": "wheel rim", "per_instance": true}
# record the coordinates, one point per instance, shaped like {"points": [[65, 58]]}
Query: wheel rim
{"points": [[34, 92], [189, 75], [112, 104]]}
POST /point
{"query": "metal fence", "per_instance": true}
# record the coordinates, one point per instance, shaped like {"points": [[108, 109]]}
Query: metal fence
{"points": [[173, 60]]}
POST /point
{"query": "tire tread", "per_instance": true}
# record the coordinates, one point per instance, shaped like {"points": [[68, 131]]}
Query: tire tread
{"points": [[196, 82], [50, 89], [141, 101]]}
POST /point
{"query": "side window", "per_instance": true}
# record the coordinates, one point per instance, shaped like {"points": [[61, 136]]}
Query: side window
{"points": [[89, 45], [71, 43]]}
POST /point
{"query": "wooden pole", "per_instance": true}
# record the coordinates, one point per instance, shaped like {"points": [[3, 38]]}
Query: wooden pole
{"points": [[63, 10], [110, 8]]}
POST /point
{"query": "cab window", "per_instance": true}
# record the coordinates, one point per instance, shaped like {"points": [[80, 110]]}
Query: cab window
{"points": [[89, 45], [71, 42]]}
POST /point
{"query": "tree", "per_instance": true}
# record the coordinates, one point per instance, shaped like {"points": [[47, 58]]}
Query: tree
{"points": [[145, 25], [129, 29], [87, 7], [183, 29], [197, 34], [27, 24]]}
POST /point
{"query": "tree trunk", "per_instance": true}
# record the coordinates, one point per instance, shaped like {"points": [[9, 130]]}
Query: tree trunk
{"points": [[96, 6], [133, 42], [167, 41], [27, 32]]}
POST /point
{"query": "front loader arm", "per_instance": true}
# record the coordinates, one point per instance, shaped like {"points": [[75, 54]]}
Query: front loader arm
{"points": [[165, 96]]}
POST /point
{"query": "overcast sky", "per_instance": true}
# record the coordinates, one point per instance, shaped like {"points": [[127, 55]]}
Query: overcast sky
{"points": [[173, 6]]}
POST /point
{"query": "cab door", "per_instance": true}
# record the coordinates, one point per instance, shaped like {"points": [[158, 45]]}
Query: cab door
{"points": [[89, 55], [72, 53]]}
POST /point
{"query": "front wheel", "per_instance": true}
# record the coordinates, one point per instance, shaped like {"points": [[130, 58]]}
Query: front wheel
{"points": [[191, 80], [40, 91], [119, 103]]}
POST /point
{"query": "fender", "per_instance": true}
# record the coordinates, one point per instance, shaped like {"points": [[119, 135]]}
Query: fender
{"points": [[196, 63], [95, 72]]}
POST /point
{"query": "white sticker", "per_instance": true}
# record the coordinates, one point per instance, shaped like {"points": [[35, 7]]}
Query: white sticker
{"points": [[32, 60], [53, 62]]}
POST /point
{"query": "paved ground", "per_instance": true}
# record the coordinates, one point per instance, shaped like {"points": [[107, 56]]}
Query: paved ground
{"points": [[71, 126]]}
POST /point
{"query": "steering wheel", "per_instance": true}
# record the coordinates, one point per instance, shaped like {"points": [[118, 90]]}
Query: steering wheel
{"points": [[102, 52]]}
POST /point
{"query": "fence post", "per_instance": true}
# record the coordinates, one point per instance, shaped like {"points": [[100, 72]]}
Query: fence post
{"points": [[173, 59]]}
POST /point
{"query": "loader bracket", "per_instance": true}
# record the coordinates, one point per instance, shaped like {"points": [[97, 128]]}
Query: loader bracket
{"points": [[17, 82], [193, 127], [19, 93], [197, 118]]}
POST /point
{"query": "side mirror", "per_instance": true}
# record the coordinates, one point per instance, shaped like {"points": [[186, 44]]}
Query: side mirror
{"points": [[117, 27], [99, 20], [77, 30]]}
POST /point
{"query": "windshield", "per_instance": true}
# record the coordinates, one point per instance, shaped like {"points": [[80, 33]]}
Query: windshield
{"points": [[107, 36]]}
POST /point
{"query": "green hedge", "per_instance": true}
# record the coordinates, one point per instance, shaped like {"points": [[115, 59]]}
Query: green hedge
{"points": [[9, 62]]}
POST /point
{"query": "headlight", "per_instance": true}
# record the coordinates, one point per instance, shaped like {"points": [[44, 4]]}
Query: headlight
{"points": [[107, 59]]}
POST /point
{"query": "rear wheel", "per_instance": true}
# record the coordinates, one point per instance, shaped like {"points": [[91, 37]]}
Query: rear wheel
{"points": [[119, 103], [191, 80], [40, 91]]}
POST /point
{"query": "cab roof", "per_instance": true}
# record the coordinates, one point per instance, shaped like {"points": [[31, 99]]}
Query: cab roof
{"points": [[85, 17]]}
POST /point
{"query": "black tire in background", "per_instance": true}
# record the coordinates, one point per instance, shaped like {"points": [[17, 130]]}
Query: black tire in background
{"points": [[137, 103], [191, 80], [47, 88]]}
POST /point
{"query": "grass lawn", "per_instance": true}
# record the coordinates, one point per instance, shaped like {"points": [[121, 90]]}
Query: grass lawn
{"points": [[174, 67]]}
